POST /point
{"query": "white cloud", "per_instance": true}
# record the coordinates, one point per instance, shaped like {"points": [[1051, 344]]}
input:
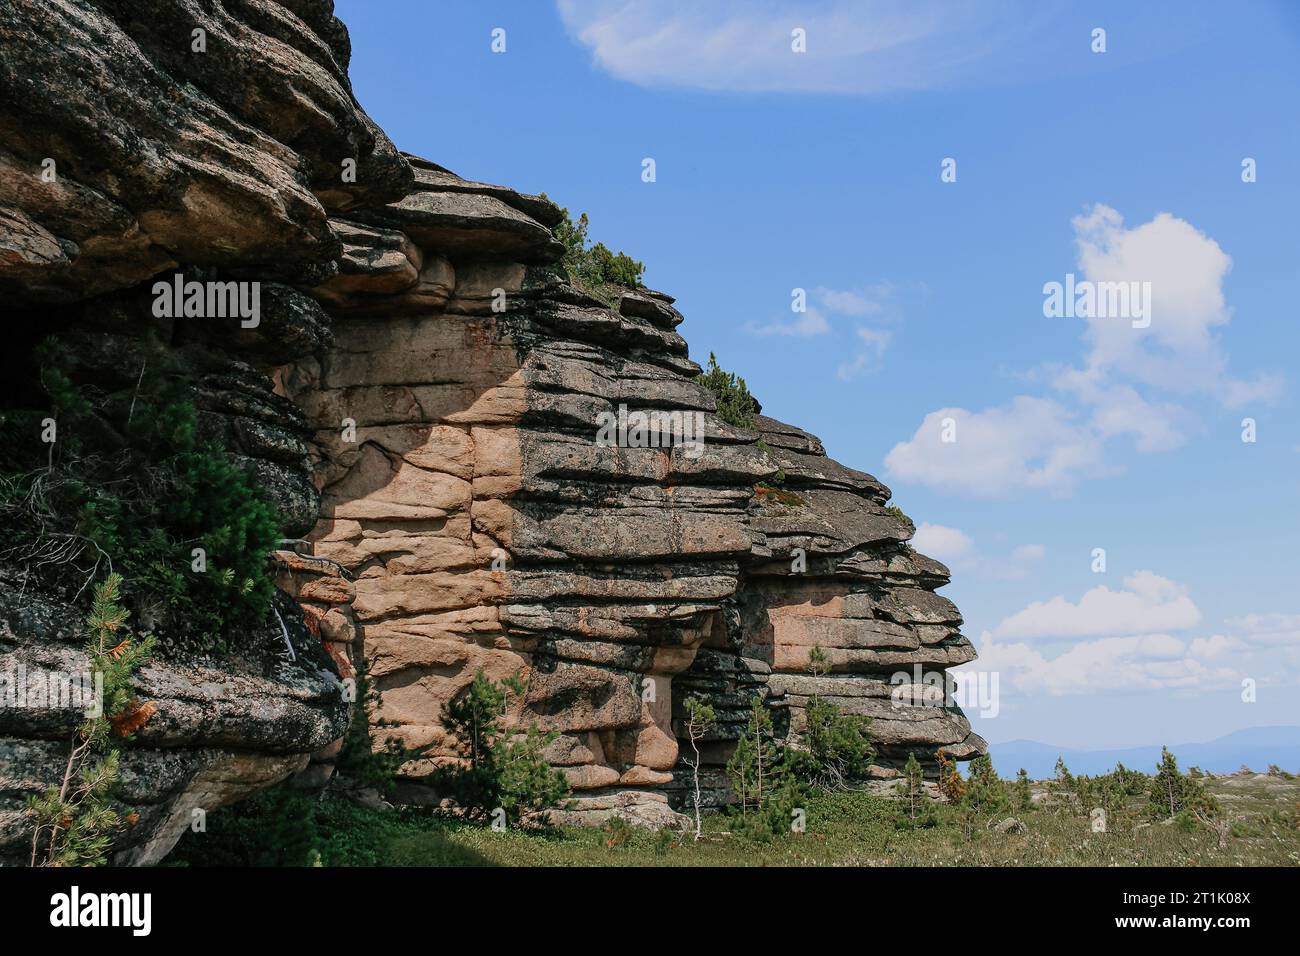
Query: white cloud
{"points": [[1118, 641], [1029, 552], [1150, 603], [869, 300], [957, 550], [1266, 630], [1033, 444], [948, 545], [1051, 443], [1179, 350], [1215, 646], [745, 45], [1109, 665]]}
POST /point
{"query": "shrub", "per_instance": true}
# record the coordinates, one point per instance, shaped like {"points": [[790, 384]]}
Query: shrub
{"points": [[497, 769], [735, 404], [951, 784], [359, 760], [593, 269], [835, 748], [897, 514], [700, 719], [985, 792], [765, 776], [919, 809], [145, 508], [1171, 792], [1024, 792]]}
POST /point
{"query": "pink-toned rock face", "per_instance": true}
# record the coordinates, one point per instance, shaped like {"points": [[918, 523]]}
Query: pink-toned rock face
{"points": [[464, 490]]}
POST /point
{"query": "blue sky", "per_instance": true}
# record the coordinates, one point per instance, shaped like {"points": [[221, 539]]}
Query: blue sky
{"points": [[821, 171]]}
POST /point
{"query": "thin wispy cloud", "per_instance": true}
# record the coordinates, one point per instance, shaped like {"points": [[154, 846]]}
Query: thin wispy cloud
{"points": [[852, 46], [958, 551]]}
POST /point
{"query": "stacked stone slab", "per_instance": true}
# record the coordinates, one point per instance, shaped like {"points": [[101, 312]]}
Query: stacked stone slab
{"points": [[421, 402], [125, 156], [464, 489]]}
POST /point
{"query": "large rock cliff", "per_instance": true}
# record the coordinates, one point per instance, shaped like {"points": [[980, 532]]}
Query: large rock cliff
{"points": [[423, 400]]}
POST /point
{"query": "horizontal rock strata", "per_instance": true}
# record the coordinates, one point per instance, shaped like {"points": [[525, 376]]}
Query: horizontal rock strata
{"points": [[464, 489], [422, 401]]}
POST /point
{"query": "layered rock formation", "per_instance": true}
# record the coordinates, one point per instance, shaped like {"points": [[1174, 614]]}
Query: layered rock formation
{"points": [[465, 489], [131, 150], [423, 399]]}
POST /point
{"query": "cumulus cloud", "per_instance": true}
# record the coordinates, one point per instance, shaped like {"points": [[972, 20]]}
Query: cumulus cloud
{"points": [[1105, 666], [1128, 384], [1148, 603], [1029, 444], [745, 45], [1117, 641], [1179, 350]]}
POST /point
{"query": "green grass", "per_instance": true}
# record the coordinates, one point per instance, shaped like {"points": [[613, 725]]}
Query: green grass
{"points": [[843, 829]]}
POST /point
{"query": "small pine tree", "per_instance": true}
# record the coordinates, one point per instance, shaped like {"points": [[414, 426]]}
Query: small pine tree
{"points": [[592, 269], [951, 785], [75, 822], [1172, 793], [1063, 775], [985, 793], [497, 769], [359, 760], [735, 404], [1024, 793], [912, 789], [834, 748], [755, 757]]}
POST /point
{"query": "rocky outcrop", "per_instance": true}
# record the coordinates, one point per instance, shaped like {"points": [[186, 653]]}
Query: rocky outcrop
{"points": [[465, 489], [423, 398], [145, 140], [139, 136], [221, 729]]}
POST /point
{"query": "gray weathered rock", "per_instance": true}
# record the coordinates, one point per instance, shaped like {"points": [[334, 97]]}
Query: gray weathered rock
{"points": [[473, 520]]}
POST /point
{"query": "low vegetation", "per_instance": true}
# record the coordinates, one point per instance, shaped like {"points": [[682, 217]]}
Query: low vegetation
{"points": [[843, 827], [735, 404], [593, 268], [129, 486], [501, 771], [74, 821]]}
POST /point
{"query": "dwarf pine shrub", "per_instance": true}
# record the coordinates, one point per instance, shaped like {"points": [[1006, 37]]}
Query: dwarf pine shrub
{"points": [[187, 529], [74, 821], [595, 268], [735, 404]]}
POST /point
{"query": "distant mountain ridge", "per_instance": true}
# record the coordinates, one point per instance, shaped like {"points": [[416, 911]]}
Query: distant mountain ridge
{"points": [[1255, 747]]}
